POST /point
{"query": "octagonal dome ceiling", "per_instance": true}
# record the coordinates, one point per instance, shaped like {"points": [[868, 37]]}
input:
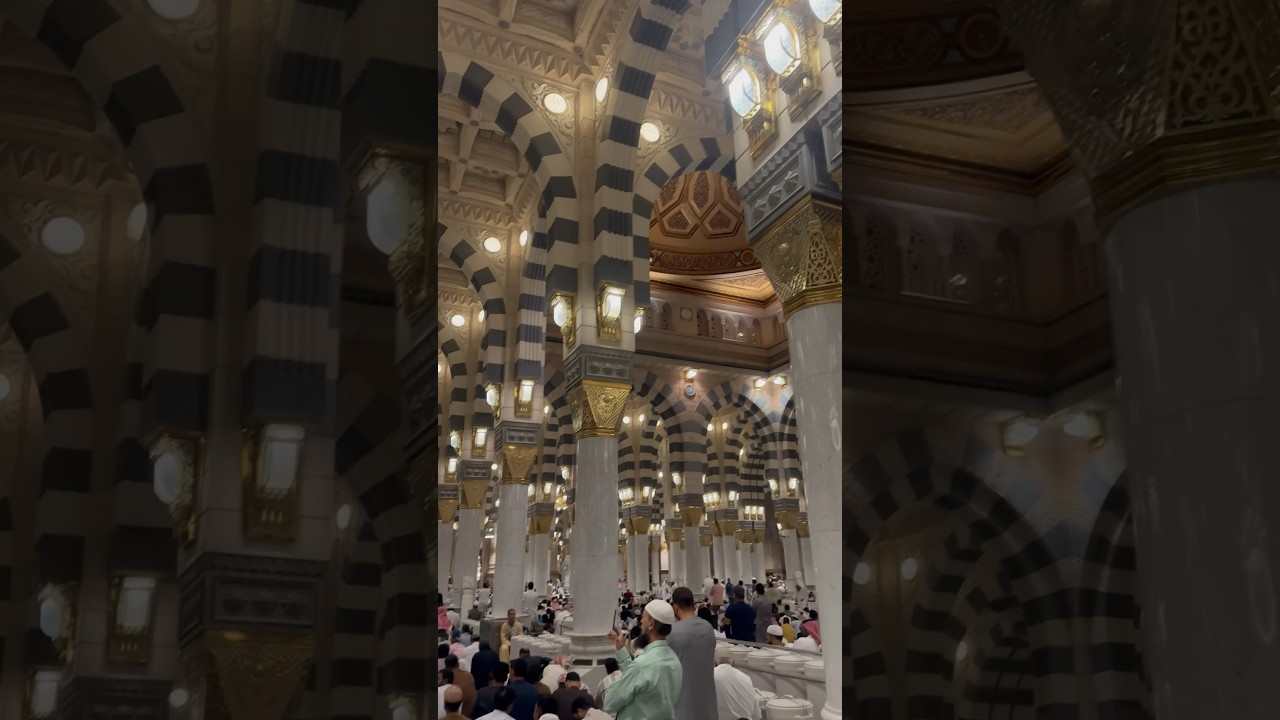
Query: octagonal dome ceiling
{"points": [[697, 227]]}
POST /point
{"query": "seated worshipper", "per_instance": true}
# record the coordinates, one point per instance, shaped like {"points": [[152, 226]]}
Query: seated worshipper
{"points": [[735, 693], [567, 693], [526, 693], [455, 645], [775, 636], [535, 662], [695, 644], [469, 649], [506, 631], [504, 705], [463, 681], [805, 643], [582, 710], [650, 683], [453, 704], [442, 615], [482, 599], [613, 674], [741, 617], [454, 617], [485, 695], [546, 708], [551, 678], [788, 632], [811, 626], [444, 681]]}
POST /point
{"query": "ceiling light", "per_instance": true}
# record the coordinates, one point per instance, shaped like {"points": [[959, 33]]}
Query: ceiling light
{"points": [[174, 9], [626, 420], [760, 382], [1020, 432], [779, 380], [136, 225], [555, 103], [862, 574], [524, 237], [343, 516], [602, 88], [5, 386], [178, 697], [457, 320], [650, 132], [480, 316], [62, 236], [962, 651], [492, 244], [1079, 424], [690, 374], [908, 568]]}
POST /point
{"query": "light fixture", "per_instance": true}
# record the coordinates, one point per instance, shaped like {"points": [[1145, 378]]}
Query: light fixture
{"points": [[129, 637], [609, 299], [479, 436], [343, 516], [492, 244], [562, 314], [555, 103], [532, 489], [602, 88], [639, 321], [273, 456], [640, 420], [825, 10], [690, 374], [524, 238], [862, 573], [564, 472], [675, 479], [136, 224], [908, 569], [792, 484], [455, 440], [962, 650], [626, 419], [493, 467], [179, 697], [724, 426], [457, 320], [779, 380], [493, 396], [650, 132], [547, 487], [546, 409], [524, 398], [174, 9], [1018, 434], [711, 427], [386, 207], [773, 486], [760, 383], [174, 461], [62, 236], [480, 317], [780, 47]]}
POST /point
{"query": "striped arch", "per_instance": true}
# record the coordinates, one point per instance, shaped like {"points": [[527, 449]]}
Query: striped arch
{"points": [[714, 154], [557, 216], [789, 444], [463, 253], [460, 380], [668, 406], [295, 249], [724, 396], [121, 69], [639, 53], [928, 465], [1109, 599], [357, 604], [369, 456]]}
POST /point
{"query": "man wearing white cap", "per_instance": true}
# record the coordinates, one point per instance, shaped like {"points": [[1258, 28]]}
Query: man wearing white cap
{"points": [[775, 636], [650, 683]]}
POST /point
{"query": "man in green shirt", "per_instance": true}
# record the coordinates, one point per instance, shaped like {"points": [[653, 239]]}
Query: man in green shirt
{"points": [[650, 683]]}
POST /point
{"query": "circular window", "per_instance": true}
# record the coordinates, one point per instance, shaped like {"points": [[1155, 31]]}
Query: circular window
{"points": [[555, 103], [650, 132], [62, 236], [4, 386], [457, 320], [136, 225], [174, 9], [492, 244], [602, 88]]}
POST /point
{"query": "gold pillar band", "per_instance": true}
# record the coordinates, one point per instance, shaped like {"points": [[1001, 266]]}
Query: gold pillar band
{"points": [[802, 530], [691, 515], [638, 525], [802, 255], [257, 674], [788, 519], [447, 510], [515, 463], [472, 493], [674, 534], [597, 407], [704, 540], [540, 524]]}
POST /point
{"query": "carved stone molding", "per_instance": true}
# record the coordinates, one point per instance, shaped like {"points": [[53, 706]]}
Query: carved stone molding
{"points": [[516, 433], [565, 123], [509, 49], [222, 591], [798, 169], [118, 697], [515, 461], [247, 676], [802, 254], [1164, 96], [596, 363], [958, 45], [597, 407]]}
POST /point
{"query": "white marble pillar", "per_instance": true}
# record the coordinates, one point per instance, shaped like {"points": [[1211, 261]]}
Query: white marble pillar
{"points": [[704, 559], [790, 557], [637, 562], [595, 544], [444, 558], [540, 561], [466, 555], [815, 335], [806, 562], [675, 561], [511, 530], [758, 568], [655, 564]]}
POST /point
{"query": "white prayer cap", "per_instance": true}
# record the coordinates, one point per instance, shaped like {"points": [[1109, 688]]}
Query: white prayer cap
{"points": [[661, 611], [775, 630]]}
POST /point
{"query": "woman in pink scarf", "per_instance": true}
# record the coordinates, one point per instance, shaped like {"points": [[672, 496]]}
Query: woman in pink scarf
{"points": [[442, 614]]}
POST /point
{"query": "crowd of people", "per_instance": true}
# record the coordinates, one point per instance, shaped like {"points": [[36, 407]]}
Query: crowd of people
{"points": [[667, 663]]}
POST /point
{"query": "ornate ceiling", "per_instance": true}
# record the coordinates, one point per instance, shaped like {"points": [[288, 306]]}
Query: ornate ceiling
{"points": [[478, 163]]}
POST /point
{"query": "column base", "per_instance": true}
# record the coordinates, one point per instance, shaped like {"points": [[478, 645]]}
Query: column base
{"points": [[589, 653], [830, 713]]}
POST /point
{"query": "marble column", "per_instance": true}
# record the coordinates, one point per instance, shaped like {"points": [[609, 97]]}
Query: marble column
{"points": [[676, 552], [697, 564], [791, 558], [655, 561], [444, 540], [473, 486], [705, 539], [597, 400], [515, 444], [637, 562], [806, 551], [801, 254], [1185, 193]]}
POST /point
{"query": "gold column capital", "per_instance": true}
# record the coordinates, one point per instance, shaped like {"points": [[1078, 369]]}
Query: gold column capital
{"points": [[515, 463], [802, 255], [638, 525], [802, 530], [597, 407], [472, 493], [249, 675], [691, 515], [541, 524], [1167, 95], [447, 510], [704, 540], [788, 519]]}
